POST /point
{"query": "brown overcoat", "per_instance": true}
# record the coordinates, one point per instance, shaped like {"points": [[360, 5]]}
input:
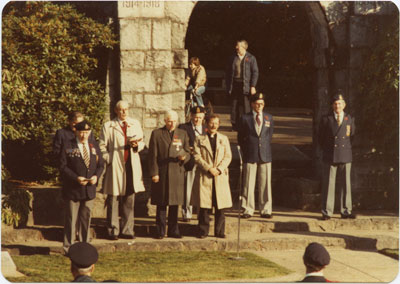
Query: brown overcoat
{"points": [[202, 185], [163, 161]]}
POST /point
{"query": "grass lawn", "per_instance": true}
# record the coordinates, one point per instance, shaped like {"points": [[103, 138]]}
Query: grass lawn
{"points": [[151, 267]]}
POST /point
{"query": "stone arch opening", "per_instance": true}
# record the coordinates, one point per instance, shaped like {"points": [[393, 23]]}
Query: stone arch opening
{"points": [[213, 28]]}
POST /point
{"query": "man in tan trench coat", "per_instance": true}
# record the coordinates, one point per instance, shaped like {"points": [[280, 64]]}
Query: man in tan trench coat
{"points": [[212, 153], [121, 140], [168, 152]]}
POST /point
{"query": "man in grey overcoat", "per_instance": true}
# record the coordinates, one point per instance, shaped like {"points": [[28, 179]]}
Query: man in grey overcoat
{"points": [[168, 153]]}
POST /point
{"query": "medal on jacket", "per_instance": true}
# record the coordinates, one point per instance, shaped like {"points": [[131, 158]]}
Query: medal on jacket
{"points": [[348, 130], [177, 143]]}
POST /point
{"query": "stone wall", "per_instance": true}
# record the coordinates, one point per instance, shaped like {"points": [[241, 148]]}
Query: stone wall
{"points": [[153, 58]]}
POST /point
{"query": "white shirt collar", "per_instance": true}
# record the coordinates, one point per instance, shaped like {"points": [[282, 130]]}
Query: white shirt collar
{"points": [[315, 273]]}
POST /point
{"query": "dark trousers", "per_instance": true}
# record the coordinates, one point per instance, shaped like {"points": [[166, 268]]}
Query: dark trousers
{"points": [[240, 102], [161, 220], [204, 221], [204, 217]]}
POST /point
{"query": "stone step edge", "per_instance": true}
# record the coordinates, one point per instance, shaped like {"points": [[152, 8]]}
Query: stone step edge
{"points": [[213, 244]]}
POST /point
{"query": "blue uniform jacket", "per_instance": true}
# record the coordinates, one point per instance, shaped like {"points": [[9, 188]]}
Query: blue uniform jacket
{"points": [[256, 149], [335, 140], [72, 166], [188, 127], [250, 73]]}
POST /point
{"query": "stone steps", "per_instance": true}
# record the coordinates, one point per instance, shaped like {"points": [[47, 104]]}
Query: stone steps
{"points": [[287, 230]]}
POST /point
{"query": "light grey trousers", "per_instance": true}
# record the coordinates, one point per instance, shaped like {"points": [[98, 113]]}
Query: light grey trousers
{"points": [[262, 173], [77, 220], [187, 209], [114, 227], [342, 172]]}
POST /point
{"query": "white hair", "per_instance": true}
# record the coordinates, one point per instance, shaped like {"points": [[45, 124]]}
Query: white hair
{"points": [[121, 102], [171, 114]]}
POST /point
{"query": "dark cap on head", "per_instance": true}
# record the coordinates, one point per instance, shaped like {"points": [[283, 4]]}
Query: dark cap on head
{"points": [[197, 109], [316, 254], [338, 96], [256, 97], [83, 255], [83, 125]]}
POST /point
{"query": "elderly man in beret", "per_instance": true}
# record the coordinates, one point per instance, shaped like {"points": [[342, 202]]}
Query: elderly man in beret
{"points": [[335, 133], [83, 256], [254, 137], [194, 128], [81, 167], [315, 258]]}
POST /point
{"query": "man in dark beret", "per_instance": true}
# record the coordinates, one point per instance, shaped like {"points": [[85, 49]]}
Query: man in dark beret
{"points": [[315, 258], [83, 257], [194, 128], [335, 133], [254, 138], [81, 166]]}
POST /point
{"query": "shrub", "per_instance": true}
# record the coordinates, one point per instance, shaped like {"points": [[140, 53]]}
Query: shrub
{"points": [[49, 58]]}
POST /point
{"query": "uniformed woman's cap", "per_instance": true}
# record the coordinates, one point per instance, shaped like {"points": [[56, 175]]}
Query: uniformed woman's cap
{"points": [[338, 97], [83, 255], [316, 254], [83, 125], [256, 97], [197, 109]]}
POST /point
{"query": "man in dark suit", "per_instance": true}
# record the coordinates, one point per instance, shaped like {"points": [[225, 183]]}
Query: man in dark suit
{"points": [[193, 128], [254, 138], [315, 258], [241, 80], [168, 152], [67, 133], [81, 167], [335, 133]]}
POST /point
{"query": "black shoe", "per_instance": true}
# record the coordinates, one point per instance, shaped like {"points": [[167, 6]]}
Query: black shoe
{"points": [[159, 237], [350, 216], [186, 220], [325, 217], [113, 237], [175, 236], [246, 216], [129, 237], [221, 236], [201, 236], [268, 216]]}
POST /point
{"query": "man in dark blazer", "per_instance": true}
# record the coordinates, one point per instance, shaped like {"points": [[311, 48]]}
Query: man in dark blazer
{"points": [[64, 135], [81, 166], [168, 152], [335, 133], [241, 80], [254, 137], [315, 258], [193, 128]]}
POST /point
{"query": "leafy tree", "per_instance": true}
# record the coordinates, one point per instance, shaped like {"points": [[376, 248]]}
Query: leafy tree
{"points": [[49, 61], [378, 105]]}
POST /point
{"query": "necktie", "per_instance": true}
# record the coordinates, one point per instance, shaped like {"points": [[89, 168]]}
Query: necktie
{"points": [[86, 157], [338, 120], [126, 148], [258, 119]]}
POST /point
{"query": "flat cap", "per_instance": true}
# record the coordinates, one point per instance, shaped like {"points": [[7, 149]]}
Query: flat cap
{"points": [[256, 97], [316, 254], [197, 109], [83, 255], [83, 125]]}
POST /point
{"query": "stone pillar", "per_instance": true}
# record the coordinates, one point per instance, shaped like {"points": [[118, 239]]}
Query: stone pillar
{"points": [[153, 58]]}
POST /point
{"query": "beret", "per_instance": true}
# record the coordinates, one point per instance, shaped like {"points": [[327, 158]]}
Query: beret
{"points": [[197, 109], [256, 97], [83, 255], [83, 125], [316, 254], [337, 97]]}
